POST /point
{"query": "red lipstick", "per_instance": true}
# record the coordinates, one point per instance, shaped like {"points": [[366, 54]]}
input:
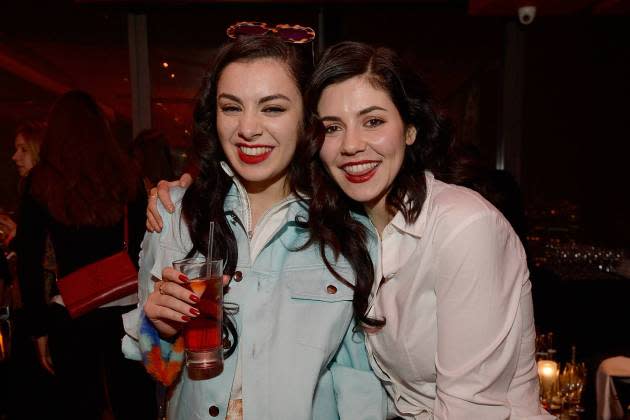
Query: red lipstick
{"points": [[252, 160], [360, 177]]}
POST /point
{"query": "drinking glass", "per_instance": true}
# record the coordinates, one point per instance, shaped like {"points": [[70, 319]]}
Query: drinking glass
{"points": [[203, 334], [572, 381]]}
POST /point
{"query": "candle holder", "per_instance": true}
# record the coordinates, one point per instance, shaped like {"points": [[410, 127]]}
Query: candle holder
{"points": [[548, 372]]}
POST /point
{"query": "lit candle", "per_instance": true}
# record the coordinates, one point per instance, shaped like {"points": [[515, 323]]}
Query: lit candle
{"points": [[2, 355], [548, 374]]}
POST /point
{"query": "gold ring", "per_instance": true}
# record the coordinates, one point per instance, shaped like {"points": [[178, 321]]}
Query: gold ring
{"points": [[160, 288]]}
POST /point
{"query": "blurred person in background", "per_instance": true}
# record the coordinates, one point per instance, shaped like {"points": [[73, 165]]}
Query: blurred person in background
{"points": [[28, 140], [78, 194], [152, 154]]}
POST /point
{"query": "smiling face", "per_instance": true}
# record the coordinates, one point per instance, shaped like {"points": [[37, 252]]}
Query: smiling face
{"points": [[22, 157], [365, 139], [259, 115]]}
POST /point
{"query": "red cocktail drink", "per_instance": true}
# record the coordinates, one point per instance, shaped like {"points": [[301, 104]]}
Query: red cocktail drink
{"points": [[203, 334], [204, 331]]}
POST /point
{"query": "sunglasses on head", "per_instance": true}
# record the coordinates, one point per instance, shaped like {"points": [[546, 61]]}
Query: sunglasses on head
{"points": [[294, 34]]}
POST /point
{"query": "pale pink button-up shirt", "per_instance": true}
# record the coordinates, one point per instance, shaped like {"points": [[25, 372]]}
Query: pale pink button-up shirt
{"points": [[459, 338]]}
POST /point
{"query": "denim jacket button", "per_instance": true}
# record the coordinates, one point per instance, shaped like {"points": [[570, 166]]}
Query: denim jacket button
{"points": [[238, 276], [214, 410], [331, 290]]}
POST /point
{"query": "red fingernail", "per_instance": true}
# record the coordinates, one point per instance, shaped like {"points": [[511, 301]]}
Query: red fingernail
{"points": [[194, 298], [186, 318], [194, 311], [183, 277]]}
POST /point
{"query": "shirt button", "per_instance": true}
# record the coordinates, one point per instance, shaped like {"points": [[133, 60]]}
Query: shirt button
{"points": [[226, 343], [238, 276], [214, 410], [331, 290]]}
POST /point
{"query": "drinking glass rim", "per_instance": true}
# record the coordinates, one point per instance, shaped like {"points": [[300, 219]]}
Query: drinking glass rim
{"points": [[197, 261]]}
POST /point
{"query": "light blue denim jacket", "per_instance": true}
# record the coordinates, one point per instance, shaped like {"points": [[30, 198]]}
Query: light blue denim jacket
{"points": [[299, 356]]}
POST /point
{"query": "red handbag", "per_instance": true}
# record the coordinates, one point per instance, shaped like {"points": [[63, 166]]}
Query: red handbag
{"points": [[100, 282]]}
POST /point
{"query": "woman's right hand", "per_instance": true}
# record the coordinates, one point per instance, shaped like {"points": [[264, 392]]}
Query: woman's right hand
{"points": [[161, 192], [171, 305]]}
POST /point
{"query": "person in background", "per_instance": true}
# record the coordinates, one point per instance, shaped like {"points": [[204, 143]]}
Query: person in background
{"points": [[296, 352], [78, 194], [152, 154], [28, 140]]}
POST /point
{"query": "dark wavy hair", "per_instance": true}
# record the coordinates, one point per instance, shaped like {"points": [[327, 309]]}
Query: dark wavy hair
{"points": [[83, 177], [330, 218], [203, 201]]}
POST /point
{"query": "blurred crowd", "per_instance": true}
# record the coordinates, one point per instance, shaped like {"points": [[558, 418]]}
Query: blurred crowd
{"points": [[77, 183]]}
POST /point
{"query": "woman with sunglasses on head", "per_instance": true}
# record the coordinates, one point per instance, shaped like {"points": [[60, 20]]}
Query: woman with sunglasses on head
{"points": [[452, 301], [296, 352]]}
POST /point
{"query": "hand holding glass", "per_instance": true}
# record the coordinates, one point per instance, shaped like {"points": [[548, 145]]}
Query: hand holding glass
{"points": [[203, 334]]}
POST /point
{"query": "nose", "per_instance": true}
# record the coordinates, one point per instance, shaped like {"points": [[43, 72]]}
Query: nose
{"points": [[249, 126], [352, 142], [15, 156]]}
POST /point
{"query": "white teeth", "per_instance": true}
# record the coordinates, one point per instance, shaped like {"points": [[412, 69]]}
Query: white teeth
{"points": [[254, 151], [359, 168]]}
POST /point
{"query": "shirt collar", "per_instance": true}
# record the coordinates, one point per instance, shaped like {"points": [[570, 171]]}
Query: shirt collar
{"points": [[237, 201], [416, 228]]}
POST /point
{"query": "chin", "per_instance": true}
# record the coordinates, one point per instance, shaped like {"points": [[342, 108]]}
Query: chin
{"points": [[358, 195]]}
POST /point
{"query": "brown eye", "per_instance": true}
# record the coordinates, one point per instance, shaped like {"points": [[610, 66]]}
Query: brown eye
{"points": [[230, 108], [374, 122], [332, 129], [274, 110]]}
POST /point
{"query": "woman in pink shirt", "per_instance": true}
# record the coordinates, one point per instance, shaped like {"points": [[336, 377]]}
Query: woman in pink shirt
{"points": [[453, 326]]}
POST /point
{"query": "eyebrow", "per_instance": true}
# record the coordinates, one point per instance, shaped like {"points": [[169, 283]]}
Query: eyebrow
{"points": [[370, 109], [273, 98], [362, 112], [260, 101], [230, 97]]}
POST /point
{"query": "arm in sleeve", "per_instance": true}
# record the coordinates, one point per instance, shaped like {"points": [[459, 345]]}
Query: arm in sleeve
{"points": [[358, 391], [163, 359], [136, 216], [485, 325], [30, 248]]}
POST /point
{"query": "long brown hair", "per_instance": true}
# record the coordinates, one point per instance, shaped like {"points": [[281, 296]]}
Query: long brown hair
{"points": [[330, 220], [83, 176]]}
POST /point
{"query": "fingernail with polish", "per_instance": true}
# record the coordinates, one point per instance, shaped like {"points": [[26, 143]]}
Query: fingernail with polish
{"points": [[194, 298], [183, 277], [186, 318], [194, 311]]}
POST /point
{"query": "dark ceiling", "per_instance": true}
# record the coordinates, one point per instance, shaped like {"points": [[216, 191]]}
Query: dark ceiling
{"points": [[46, 49]]}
